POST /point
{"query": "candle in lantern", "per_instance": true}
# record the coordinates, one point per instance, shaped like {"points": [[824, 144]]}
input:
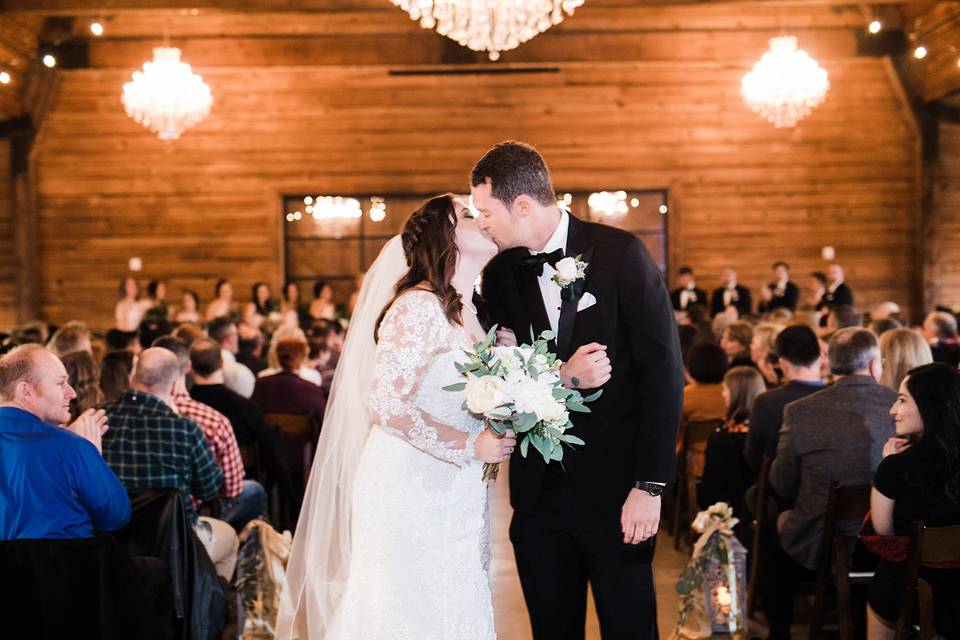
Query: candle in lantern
{"points": [[723, 597]]}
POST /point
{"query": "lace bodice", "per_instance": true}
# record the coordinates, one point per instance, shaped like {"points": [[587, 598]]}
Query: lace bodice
{"points": [[416, 351]]}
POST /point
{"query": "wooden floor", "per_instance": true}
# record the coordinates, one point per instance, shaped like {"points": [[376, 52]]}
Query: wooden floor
{"points": [[511, 616]]}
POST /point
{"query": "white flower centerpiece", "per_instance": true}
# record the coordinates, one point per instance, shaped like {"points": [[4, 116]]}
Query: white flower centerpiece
{"points": [[519, 388]]}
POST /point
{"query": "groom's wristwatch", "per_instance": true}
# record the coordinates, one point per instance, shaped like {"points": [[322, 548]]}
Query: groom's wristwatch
{"points": [[653, 488]]}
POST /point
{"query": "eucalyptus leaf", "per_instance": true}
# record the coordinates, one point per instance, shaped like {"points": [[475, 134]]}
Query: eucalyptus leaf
{"points": [[593, 396], [569, 439], [524, 445], [460, 386]]}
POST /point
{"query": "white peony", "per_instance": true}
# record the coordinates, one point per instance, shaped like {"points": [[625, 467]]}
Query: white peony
{"points": [[534, 397], [484, 394], [508, 357], [567, 270]]}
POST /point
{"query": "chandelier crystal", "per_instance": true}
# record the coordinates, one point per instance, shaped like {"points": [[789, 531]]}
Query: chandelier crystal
{"points": [[167, 97], [785, 84], [489, 25]]}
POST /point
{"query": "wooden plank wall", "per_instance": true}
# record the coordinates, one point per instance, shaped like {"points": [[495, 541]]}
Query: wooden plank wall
{"points": [[945, 230], [8, 311], [742, 192]]}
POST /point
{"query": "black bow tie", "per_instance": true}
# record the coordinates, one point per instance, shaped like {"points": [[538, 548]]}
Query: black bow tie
{"points": [[536, 261]]}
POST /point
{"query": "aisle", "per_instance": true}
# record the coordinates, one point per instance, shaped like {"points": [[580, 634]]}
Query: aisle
{"points": [[511, 617]]}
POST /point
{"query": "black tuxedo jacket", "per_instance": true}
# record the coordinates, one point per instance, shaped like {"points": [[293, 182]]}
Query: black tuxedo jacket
{"points": [[742, 302], [842, 296], [630, 433], [701, 298], [789, 299]]}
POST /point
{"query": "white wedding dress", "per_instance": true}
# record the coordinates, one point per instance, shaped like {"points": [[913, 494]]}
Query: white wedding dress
{"points": [[419, 550]]}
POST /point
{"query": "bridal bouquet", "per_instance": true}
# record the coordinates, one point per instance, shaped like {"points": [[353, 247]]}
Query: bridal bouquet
{"points": [[519, 388]]}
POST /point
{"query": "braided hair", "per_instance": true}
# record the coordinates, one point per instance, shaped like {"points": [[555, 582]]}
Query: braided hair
{"points": [[430, 246]]}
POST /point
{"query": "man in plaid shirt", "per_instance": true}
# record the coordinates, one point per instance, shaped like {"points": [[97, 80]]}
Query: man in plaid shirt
{"points": [[241, 500], [150, 446]]}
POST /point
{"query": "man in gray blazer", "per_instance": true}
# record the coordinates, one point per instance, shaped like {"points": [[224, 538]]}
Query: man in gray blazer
{"points": [[834, 435]]}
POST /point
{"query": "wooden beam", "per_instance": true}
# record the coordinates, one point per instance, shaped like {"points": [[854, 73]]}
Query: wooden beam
{"points": [[26, 242], [61, 7]]}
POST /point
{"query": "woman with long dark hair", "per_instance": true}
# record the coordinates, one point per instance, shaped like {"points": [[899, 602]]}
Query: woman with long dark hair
{"points": [[261, 305], [918, 479], [130, 308], [392, 540]]}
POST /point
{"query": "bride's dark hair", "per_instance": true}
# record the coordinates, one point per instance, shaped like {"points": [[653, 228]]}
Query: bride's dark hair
{"points": [[430, 246]]}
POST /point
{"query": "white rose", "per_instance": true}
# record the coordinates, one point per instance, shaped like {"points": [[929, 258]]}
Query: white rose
{"points": [[567, 270], [552, 411], [508, 358], [484, 394]]}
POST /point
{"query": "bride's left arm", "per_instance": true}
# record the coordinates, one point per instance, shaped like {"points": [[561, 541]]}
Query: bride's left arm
{"points": [[410, 337]]}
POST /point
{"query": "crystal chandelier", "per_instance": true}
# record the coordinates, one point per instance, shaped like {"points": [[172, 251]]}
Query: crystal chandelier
{"points": [[785, 84], [489, 25], [167, 97]]}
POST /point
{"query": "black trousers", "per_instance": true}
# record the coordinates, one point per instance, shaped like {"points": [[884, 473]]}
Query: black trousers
{"points": [[560, 546]]}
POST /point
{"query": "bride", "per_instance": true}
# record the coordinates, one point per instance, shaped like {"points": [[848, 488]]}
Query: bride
{"points": [[393, 539]]}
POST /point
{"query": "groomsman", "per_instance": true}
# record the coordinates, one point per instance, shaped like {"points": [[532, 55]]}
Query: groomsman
{"points": [[837, 292], [781, 292], [731, 294], [687, 294]]}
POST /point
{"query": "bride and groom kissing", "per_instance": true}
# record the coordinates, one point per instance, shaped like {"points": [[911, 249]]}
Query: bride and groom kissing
{"points": [[393, 538]]}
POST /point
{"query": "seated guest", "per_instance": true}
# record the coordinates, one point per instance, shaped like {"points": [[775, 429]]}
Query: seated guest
{"points": [[54, 481], [731, 294], [189, 308], [689, 336], [940, 331], [326, 342], [901, 351], [71, 337], [241, 500], [150, 330], [725, 473], [123, 341], [244, 415], [222, 305], [322, 307], [130, 308], [289, 333], [919, 481], [150, 446], [115, 372], [158, 310], [703, 397], [250, 349], [838, 292], [687, 294], [781, 293], [84, 379], [841, 317], [834, 435], [261, 307], [286, 391], [884, 325], [763, 352], [236, 376], [885, 310], [189, 332], [798, 355], [735, 341], [817, 286]]}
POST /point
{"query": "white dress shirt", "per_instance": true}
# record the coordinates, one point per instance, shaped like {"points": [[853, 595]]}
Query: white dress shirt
{"points": [[237, 376], [550, 290], [730, 295], [834, 285], [688, 295]]}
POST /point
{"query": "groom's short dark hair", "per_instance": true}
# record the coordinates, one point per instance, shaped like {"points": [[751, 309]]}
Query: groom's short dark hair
{"points": [[514, 168]]}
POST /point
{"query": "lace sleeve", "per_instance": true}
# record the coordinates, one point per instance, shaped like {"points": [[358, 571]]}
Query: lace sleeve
{"points": [[412, 333]]}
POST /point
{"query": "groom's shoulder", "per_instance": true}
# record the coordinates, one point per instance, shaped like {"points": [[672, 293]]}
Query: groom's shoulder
{"points": [[503, 260], [612, 239]]}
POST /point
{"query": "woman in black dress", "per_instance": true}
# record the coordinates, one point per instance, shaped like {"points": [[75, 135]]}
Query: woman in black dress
{"points": [[919, 479]]}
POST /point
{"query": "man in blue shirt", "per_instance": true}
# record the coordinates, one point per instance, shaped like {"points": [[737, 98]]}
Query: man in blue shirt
{"points": [[53, 482]]}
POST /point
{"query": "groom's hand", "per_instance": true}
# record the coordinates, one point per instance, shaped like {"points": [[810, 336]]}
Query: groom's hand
{"points": [[588, 368], [506, 338], [640, 516]]}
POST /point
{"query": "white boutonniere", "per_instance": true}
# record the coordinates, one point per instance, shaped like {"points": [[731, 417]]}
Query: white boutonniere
{"points": [[570, 271]]}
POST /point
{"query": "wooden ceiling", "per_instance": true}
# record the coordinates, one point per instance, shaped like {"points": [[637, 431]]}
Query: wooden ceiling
{"points": [[231, 33]]}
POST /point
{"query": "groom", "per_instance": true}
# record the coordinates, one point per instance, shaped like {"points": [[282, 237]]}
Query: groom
{"points": [[593, 518]]}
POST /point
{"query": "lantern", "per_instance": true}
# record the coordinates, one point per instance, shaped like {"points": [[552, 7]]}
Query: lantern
{"points": [[725, 586]]}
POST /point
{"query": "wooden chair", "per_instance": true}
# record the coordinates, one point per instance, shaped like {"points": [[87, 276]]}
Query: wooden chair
{"points": [[250, 455], [759, 517], [928, 545], [298, 435], [685, 505], [843, 503]]}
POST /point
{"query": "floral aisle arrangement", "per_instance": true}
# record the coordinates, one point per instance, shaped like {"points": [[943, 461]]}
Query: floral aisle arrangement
{"points": [[712, 586], [519, 388]]}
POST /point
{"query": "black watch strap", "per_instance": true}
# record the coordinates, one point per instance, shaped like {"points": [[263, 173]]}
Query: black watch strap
{"points": [[653, 488]]}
